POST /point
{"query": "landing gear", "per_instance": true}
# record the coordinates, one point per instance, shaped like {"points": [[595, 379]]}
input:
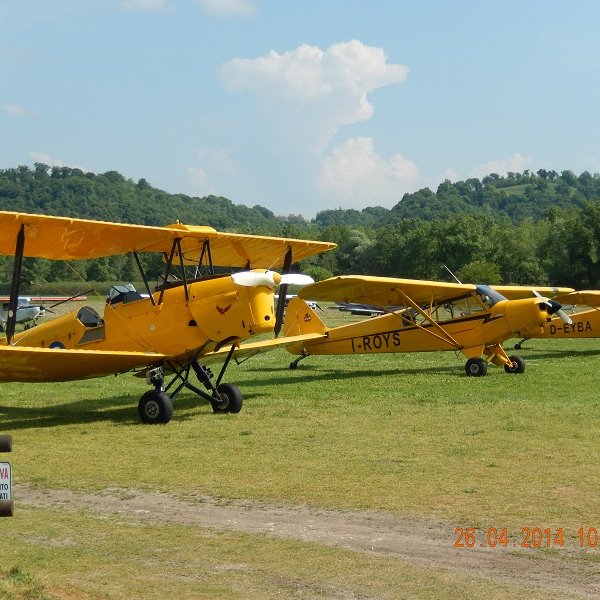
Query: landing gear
{"points": [[476, 367], [155, 407], [229, 399], [518, 365]]}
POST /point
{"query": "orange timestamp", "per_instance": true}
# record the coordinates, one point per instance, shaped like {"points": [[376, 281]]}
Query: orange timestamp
{"points": [[529, 537]]}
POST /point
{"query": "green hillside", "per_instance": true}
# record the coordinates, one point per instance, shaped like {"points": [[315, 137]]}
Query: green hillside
{"points": [[541, 228]]}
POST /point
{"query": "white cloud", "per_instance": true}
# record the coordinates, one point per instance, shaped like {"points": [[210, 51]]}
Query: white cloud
{"points": [[515, 164], [310, 93], [214, 163], [228, 7], [46, 159], [217, 160], [355, 173], [449, 174], [13, 110], [145, 5]]}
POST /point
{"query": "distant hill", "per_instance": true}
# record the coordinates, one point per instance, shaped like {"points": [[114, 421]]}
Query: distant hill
{"points": [[535, 228]]}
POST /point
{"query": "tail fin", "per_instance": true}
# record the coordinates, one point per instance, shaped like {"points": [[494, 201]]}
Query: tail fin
{"points": [[300, 318]]}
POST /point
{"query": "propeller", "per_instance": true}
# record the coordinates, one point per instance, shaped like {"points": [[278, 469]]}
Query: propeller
{"points": [[555, 308], [269, 278], [272, 279]]}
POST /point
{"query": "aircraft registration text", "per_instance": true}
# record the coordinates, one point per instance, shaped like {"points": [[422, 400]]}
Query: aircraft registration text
{"points": [[376, 342]]}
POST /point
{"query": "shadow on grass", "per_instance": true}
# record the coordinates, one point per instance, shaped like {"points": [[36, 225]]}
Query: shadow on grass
{"points": [[120, 410], [535, 353], [310, 373]]}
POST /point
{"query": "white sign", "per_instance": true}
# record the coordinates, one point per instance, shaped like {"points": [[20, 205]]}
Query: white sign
{"points": [[5, 481]]}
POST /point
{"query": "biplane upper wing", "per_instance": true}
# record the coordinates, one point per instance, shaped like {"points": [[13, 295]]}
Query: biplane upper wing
{"points": [[63, 238], [249, 251], [515, 292], [384, 291], [22, 363]]}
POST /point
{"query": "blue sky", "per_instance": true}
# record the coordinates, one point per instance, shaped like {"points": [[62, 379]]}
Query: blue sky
{"points": [[300, 106]]}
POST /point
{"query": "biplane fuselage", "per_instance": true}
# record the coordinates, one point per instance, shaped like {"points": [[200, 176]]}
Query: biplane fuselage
{"points": [[216, 312]]}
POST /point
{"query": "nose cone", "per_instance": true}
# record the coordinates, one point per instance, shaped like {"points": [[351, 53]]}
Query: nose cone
{"points": [[526, 313]]}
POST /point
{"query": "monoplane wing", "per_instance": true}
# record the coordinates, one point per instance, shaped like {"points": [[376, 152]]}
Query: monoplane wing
{"points": [[582, 297], [515, 292], [20, 363], [384, 291]]}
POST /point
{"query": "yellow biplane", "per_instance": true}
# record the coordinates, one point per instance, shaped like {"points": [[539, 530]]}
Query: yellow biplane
{"points": [[182, 324], [427, 316], [582, 308]]}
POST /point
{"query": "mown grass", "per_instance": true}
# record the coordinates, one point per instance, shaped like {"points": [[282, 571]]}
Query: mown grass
{"points": [[406, 433]]}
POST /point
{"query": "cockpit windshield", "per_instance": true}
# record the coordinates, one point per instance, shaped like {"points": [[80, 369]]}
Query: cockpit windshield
{"points": [[488, 296]]}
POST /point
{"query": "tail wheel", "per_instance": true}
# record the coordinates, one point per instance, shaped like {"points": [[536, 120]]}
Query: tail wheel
{"points": [[476, 367], [155, 407], [229, 399], [518, 365]]}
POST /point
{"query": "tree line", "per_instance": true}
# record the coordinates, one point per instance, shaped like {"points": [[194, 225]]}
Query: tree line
{"points": [[538, 228]]}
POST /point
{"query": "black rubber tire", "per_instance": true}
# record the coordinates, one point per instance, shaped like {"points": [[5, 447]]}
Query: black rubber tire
{"points": [[519, 365], [155, 408], [476, 367], [230, 399]]}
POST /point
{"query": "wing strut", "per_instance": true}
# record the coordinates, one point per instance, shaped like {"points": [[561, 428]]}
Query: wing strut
{"points": [[13, 302], [445, 336], [143, 273], [287, 263]]}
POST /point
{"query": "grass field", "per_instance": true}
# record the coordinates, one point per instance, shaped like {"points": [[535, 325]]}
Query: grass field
{"points": [[408, 434]]}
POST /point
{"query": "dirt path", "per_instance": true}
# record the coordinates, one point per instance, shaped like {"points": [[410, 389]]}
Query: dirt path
{"points": [[421, 542]]}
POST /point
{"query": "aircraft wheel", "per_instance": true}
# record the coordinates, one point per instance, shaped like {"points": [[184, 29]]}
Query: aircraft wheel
{"points": [[476, 367], [229, 401], [155, 407], [518, 365]]}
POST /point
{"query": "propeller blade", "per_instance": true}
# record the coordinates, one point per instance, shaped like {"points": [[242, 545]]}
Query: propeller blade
{"points": [[296, 279], [269, 278], [255, 278]]}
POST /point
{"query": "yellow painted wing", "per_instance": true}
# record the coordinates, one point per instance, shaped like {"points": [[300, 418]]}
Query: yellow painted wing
{"points": [[47, 364], [63, 238], [515, 292], [383, 291], [582, 297], [259, 252], [245, 351]]}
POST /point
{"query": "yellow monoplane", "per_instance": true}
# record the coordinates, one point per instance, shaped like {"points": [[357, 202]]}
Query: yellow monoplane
{"points": [[427, 316], [176, 327]]}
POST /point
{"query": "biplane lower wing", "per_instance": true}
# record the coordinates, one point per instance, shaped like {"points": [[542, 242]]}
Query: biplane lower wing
{"points": [[27, 364], [246, 351]]}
